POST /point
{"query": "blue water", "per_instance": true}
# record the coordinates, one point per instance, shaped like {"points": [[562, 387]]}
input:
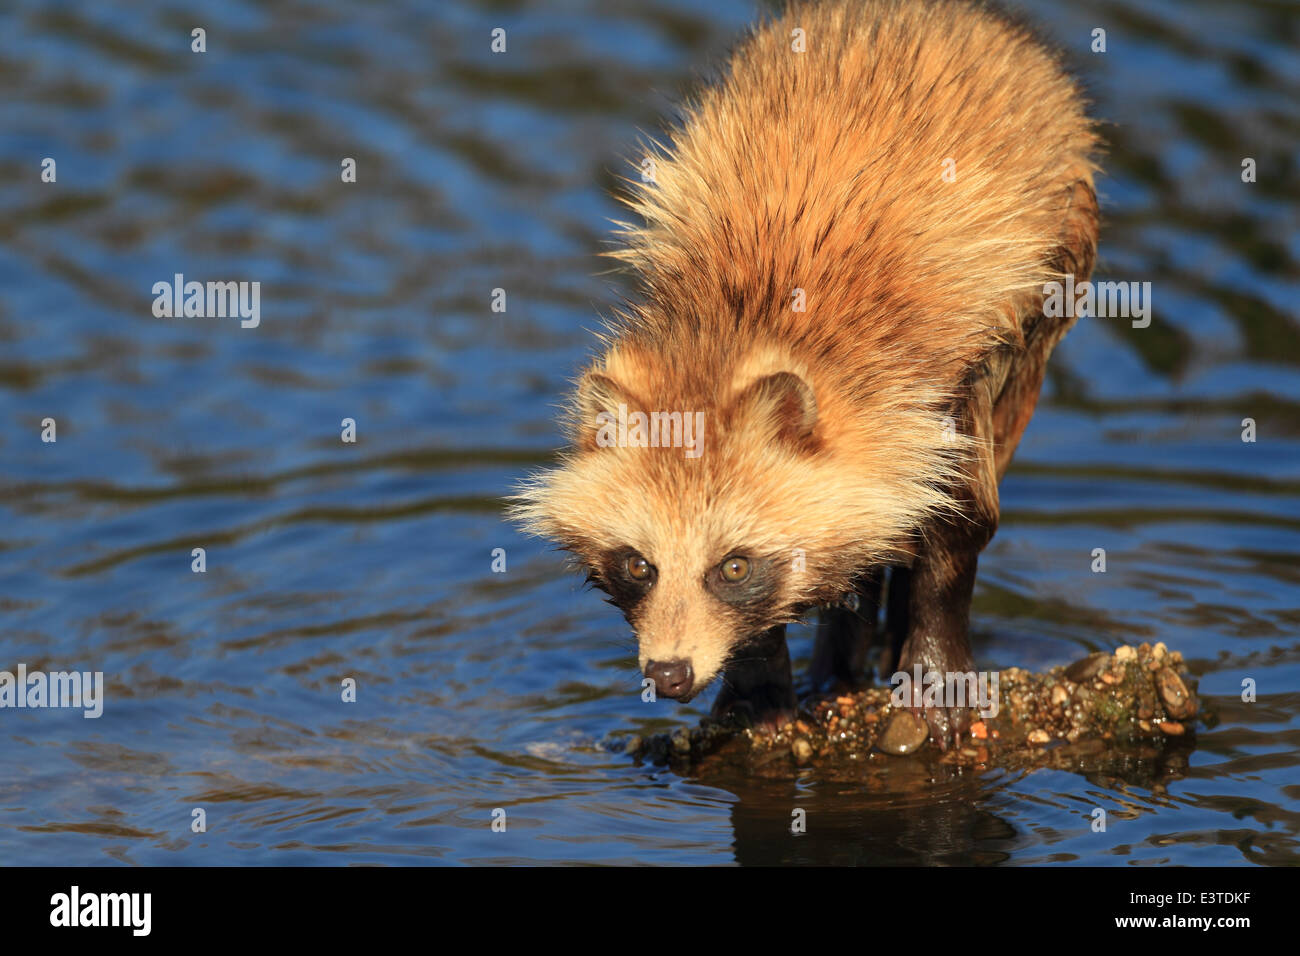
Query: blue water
{"points": [[373, 561]]}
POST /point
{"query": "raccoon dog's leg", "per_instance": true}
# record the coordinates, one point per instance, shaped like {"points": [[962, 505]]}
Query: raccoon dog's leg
{"points": [[943, 574], [900, 592], [757, 685], [845, 634], [1000, 404]]}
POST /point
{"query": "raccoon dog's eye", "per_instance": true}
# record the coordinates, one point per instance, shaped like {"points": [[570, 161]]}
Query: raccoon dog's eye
{"points": [[637, 567], [735, 569]]}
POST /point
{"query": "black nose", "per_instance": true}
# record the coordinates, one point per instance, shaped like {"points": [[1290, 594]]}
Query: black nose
{"points": [[673, 679]]}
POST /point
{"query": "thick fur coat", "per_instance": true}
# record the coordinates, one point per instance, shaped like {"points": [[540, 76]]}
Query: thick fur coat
{"points": [[841, 259]]}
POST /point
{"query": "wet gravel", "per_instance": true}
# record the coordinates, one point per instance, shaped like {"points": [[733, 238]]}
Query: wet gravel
{"points": [[1137, 697]]}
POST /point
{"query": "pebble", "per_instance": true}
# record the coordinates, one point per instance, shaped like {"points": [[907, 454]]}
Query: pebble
{"points": [[1172, 727], [1059, 695], [1125, 653], [1179, 701], [772, 756], [681, 741], [905, 734], [1159, 651], [633, 745], [1088, 668], [979, 730], [1039, 737], [802, 750]]}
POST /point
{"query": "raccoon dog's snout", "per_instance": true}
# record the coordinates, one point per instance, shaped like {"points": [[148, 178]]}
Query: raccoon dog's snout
{"points": [[673, 679]]}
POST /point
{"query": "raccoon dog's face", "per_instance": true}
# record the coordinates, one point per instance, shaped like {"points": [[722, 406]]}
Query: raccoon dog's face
{"points": [[690, 621], [710, 514]]}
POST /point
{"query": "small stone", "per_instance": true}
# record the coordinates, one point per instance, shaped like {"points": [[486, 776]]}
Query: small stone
{"points": [[1179, 701], [802, 750], [1172, 727], [1125, 653], [905, 734], [1088, 668], [979, 730], [1039, 737], [772, 756], [681, 741], [1159, 651], [1059, 695], [1109, 678], [633, 745]]}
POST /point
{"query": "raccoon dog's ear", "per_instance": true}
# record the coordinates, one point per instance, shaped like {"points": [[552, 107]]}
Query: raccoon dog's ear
{"points": [[597, 405], [782, 404]]}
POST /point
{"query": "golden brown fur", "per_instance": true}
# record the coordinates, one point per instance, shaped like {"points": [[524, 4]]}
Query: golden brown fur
{"points": [[917, 361]]}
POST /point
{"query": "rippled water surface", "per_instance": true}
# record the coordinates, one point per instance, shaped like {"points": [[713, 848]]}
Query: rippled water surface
{"points": [[372, 560]]}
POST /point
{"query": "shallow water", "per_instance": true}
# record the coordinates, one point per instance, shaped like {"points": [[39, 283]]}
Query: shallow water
{"points": [[372, 560]]}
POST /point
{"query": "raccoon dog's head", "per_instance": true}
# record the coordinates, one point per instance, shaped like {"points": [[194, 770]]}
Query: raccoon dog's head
{"points": [[713, 507]]}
